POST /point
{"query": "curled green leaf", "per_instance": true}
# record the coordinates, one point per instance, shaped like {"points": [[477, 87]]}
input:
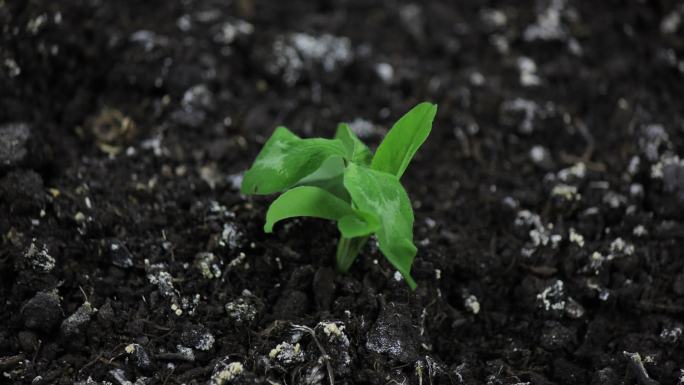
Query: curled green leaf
{"points": [[286, 159]]}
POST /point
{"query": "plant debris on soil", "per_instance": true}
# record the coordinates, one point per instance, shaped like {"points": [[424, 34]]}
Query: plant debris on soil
{"points": [[549, 199]]}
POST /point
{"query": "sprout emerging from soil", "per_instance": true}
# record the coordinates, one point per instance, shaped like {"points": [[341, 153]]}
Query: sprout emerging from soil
{"points": [[340, 179]]}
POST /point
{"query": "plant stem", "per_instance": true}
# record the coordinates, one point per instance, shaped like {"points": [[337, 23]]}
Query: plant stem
{"points": [[347, 251]]}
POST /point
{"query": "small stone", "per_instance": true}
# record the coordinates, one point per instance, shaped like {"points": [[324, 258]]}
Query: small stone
{"points": [[42, 312], [39, 258], [198, 337], [119, 254], [139, 356], [187, 353], [394, 334], [244, 309], [14, 138], [106, 314], [81, 316]]}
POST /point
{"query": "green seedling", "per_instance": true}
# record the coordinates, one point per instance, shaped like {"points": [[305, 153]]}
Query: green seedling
{"points": [[340, 179]]}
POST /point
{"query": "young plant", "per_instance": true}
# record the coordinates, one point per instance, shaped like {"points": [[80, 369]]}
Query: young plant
{"points": [[341, 180]]}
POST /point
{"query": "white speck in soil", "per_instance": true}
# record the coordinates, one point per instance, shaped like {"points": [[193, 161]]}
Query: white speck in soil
{"points": [[636, 189], [654, 141], [184, 23], [208, 265], [230, 236], [13, 69], [493, 18], [231, 30], [120, 376], [397, 276], [549, 22], [619, 247], [640, 231], [235, 180], [149, 40], [634, 165], [613, 199], [566, 191], [385, 72], [472, 304], [539, 154], [298, 52], [512, 109], [552, 297], [239, 260], [476, 79], [528, 72], [576, 237], [226, 372], [36, 24], [671, 22], [671, 334], [576, 171], [154, 144]]}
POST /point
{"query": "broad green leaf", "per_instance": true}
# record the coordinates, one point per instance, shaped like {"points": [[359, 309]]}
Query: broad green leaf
{"points": [[308, 201], [400, 144], [357, 151], [360, 224], [329, 177], [381, 194], [285, 159]]}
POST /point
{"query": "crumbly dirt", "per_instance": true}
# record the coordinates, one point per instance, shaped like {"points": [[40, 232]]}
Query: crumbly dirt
{"points": [[549, 199]]}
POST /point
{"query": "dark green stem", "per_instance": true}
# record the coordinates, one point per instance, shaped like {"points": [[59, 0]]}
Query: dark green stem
{"points": [[347, 251]]}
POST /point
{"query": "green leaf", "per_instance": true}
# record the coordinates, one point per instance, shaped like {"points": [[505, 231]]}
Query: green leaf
{"points": [[401, 143], [360, 224], [381, 194], [286, 159], [329, 177], [308, 201], [357, 151]]}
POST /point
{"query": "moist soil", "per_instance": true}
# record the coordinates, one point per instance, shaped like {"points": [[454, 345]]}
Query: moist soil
{"points": [[549, 198]]}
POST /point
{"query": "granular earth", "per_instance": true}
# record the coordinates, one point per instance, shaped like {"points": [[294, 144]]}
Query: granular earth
{"points": [[549, 199]]}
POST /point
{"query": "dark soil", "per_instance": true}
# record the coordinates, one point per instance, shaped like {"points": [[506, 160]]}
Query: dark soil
{"points": [[549, 198]]}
